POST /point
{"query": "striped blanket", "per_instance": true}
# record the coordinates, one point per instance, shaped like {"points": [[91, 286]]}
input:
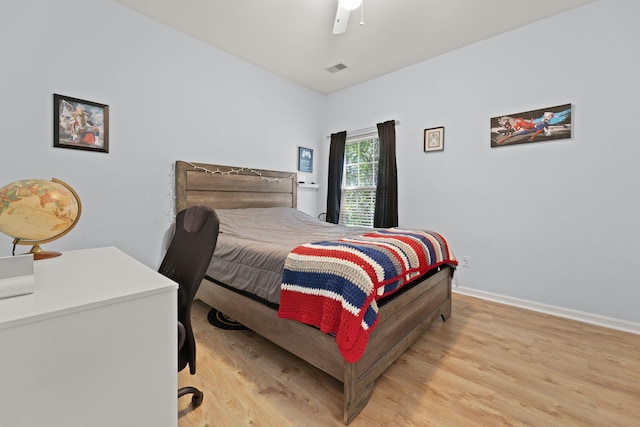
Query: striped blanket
{"points": [[335, 285]]}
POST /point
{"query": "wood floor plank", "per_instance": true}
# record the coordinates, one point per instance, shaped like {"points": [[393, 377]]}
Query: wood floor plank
{"points": [[488, 365]]}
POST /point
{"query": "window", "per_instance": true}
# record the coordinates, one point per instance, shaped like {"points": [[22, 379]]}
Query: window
{"points": [[360, 179]]}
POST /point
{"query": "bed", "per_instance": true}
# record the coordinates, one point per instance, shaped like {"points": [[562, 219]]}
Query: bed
{"points": [[403, 316]]}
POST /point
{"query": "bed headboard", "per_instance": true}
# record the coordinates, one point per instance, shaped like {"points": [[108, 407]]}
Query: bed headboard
{"points": [[229, 187]]}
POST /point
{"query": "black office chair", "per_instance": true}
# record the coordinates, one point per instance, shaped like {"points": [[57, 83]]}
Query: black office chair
{"points": [[186, 261]]}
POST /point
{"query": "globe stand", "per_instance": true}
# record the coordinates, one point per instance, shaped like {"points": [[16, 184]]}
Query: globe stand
{"points": [[38, 253]]}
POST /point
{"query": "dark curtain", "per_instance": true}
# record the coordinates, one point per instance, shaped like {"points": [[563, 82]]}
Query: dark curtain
{"points": [[336, 167], [386, 210]]}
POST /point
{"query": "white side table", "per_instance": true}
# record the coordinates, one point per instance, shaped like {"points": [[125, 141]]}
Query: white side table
{"points": [[94, 345]]}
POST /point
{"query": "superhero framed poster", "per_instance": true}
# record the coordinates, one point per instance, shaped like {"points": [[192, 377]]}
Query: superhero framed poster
{"points": [[544, 124], [80, 124]]}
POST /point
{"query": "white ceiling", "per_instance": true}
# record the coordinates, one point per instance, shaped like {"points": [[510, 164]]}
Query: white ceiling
{"points": [[293, 38]]}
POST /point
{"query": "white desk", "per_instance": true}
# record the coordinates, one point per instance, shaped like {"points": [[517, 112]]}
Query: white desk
{"points": [[94, 345]]}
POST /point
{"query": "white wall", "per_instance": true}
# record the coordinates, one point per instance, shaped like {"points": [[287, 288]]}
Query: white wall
{"points": [[552, 222], [171, 98]]}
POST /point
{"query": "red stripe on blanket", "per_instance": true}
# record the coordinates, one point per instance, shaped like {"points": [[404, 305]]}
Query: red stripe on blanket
{"points": [[331, 318]]}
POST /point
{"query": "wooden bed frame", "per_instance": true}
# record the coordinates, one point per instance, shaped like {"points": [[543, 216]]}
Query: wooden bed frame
{"points": [[403, 318]]}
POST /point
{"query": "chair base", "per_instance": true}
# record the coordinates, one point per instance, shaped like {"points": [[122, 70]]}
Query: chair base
{"points": [[197, 397]]}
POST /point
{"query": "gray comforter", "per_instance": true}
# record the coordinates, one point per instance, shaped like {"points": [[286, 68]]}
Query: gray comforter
{"points": [[254, 243]]}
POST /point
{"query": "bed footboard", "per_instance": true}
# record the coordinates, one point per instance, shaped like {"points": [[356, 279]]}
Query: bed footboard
{"points": [[403, 320]]}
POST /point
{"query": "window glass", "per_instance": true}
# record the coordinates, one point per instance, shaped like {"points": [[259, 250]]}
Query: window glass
{"points": [[359, 182]]}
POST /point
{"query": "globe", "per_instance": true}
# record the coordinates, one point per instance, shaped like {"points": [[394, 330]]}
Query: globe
{"points": [[37, 211]]}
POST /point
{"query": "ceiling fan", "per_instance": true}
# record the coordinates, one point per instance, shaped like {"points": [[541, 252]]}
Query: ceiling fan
{"points": [[342, 14]]}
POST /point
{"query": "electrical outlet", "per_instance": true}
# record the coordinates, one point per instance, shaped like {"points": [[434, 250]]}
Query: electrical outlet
{"points": [[465, 262]]}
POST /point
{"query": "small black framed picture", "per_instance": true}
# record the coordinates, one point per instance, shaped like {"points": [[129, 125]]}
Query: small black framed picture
{"points": [[305, 159], [80, 124], [434, 139]]}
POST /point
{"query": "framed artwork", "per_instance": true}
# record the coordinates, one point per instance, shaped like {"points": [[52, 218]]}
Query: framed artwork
{"points": [[80, 124], [434, 139], [305, 159], [544, 124]]}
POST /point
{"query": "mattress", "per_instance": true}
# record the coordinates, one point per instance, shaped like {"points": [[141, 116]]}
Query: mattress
{"points": [[253, 245]]}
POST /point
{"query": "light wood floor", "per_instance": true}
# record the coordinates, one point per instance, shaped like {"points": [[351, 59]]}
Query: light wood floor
{"points": [[488, 365]]}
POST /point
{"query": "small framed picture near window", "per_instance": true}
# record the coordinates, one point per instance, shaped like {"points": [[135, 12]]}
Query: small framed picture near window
{"points": [[80, 124], [305, 159], [434, 139]]}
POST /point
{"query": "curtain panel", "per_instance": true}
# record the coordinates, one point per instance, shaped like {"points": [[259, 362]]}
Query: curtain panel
{"points": [[336, 168], [386, 209]]}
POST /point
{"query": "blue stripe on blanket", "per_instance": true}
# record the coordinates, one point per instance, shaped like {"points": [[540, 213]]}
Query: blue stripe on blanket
{"points": [[317, 283]]}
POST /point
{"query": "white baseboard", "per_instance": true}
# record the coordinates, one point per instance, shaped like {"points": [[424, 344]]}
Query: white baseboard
{"points": [[594, 319]]}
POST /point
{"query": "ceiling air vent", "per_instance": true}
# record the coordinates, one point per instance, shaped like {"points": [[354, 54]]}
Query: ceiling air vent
{"points": [[336, 68]]}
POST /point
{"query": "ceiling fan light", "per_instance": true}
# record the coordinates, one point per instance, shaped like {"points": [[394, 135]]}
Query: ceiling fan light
{"points": [[349, 4]]}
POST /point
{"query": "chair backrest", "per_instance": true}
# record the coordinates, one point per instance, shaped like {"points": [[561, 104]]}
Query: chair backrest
{"points": [[186, 262]]}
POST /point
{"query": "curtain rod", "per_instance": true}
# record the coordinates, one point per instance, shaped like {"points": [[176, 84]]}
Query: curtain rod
{"points": [[361, 132]]}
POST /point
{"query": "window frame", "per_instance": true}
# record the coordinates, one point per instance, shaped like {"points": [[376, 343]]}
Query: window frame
{"points": [[362, 192]]}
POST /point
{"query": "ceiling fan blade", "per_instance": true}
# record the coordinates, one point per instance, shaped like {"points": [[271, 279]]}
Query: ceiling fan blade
{"points": [[342, 20]]}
